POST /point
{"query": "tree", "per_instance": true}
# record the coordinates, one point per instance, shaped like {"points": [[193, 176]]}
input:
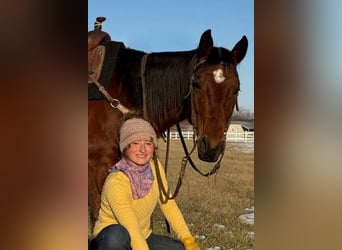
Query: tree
{"points": [[242, 115]]}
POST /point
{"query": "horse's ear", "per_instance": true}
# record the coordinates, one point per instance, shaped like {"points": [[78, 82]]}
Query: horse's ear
{"points": [[206, 44], [239, 50]]}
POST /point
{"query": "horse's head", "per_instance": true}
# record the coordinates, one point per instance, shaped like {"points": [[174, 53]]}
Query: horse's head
{"points": [[215, 87]]}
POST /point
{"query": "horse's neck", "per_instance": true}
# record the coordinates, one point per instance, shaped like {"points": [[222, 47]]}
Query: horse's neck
{"points": [[168, 78], [126, 79], [166, 75]]}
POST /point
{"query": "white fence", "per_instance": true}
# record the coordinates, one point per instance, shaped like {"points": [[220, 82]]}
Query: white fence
{"points": [[246, 137]]}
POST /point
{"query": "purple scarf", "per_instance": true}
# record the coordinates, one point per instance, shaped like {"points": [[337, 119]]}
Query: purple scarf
{"points": [[141, 177]]}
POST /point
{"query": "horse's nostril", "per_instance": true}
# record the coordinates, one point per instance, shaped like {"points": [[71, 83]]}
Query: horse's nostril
{"points": [[205, 143], [202, 144], [207, 153]]}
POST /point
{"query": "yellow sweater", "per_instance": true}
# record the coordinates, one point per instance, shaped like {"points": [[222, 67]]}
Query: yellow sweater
{"points": [[119, 207]]}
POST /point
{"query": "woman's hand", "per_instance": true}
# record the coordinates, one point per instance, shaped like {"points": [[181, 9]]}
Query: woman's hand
{"points": [[190, 243]]}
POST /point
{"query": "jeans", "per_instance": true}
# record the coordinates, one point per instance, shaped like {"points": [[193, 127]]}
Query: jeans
{"points": [[116, 237]]}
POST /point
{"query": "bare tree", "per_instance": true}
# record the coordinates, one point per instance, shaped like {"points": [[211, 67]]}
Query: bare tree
{"points": [[242, 115]]}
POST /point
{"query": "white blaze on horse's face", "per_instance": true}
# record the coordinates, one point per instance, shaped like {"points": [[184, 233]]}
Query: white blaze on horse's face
{"points": [[218, 76]]}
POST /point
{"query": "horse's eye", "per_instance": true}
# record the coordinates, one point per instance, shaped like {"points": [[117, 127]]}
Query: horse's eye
{"points": [[196, 85]]}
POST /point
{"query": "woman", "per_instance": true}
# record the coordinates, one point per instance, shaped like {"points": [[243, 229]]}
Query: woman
{"points": [[130, 195]]}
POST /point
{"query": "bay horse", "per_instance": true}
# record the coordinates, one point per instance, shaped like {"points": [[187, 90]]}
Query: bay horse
{"points": [[199, 85]]}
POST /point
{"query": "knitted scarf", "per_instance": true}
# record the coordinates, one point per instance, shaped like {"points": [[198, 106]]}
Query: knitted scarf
{"points": [[141, 177]]}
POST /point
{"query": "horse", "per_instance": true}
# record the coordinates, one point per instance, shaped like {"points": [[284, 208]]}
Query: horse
{"points": [[199, 85]]}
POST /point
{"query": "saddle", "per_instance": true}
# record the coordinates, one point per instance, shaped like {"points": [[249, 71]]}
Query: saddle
{"points": [[96, 53], [102, 55], [95, 37]]}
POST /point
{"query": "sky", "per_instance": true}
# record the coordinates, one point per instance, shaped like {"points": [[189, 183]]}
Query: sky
{"points": [[177, 25]]}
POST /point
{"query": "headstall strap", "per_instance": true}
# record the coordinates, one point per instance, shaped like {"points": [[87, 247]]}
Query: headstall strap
{"points": [[194, 69], [200, 61]]}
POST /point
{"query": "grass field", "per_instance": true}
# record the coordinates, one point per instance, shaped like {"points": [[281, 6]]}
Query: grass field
{"points": [[212, 206]]}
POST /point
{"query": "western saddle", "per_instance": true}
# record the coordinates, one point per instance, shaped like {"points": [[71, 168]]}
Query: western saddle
{"points": [[96, 50]]}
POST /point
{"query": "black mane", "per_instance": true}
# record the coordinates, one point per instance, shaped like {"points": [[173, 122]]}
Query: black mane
{"points": [[168, 72], [165, 73]]}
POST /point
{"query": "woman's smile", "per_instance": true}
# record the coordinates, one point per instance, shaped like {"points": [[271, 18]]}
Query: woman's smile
{"points": [[140, 152]]}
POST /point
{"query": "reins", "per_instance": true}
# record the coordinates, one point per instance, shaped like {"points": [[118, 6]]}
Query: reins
{"points": [[166, 195], [187, 156]]}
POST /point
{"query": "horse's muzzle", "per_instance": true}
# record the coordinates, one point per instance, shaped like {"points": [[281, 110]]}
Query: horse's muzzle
{"points": [[208, 154]]}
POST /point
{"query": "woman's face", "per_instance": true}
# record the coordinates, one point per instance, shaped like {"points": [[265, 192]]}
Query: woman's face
{"points": [[140, 152]]}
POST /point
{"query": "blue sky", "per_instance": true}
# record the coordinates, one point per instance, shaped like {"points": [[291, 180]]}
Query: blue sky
{"points": [[177, 25]]}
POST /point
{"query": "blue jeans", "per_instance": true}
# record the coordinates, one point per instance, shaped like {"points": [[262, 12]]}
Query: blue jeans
{"points": [[116, 237]]}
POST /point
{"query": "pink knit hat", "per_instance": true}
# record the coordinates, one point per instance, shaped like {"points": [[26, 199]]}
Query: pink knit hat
{"points": [[136, 129]]}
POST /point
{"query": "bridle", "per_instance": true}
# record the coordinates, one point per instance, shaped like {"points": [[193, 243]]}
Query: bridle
{"points": [[165, 195]]}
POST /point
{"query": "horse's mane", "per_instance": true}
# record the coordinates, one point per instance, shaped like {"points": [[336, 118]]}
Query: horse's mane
{"points": [[166, 73]]}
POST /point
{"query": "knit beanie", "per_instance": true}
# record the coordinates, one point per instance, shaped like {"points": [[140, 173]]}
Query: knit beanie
{"points": [[136, 129]]}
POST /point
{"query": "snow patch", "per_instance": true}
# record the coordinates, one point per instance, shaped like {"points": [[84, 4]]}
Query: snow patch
{"points": [[219, 226], [214, 248]]}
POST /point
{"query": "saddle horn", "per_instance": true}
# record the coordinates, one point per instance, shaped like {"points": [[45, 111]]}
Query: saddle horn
{"points": [[98, 22], [97, 36]]}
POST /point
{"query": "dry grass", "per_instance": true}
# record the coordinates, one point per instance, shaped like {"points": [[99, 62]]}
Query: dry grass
{"points": [[219, 199]]}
